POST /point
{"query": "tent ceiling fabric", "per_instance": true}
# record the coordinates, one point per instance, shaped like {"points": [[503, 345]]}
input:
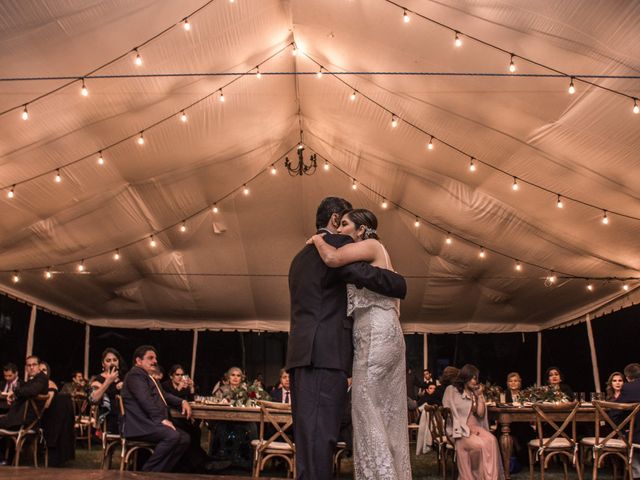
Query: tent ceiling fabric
{"points": [[229, 270]]}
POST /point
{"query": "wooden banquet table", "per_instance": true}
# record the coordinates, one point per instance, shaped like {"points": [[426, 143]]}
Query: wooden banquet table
{"points": [[506, 415], [223, 412]]}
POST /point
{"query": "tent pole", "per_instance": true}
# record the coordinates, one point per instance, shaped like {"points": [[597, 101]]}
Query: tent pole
{"points": [[32, 328], [87, 340], [539, 360], [193, 353], [425, 352], [594, 356]]}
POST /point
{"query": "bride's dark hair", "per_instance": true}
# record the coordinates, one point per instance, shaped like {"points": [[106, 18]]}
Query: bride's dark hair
{"points": [[362, 217]]}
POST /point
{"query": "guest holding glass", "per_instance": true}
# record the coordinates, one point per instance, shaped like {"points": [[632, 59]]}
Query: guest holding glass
{"points": [[106, 386], [614, 386], [179, 383], [477, 451], [556, 381]]}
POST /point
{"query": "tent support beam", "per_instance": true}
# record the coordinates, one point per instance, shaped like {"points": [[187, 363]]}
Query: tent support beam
{"points": [[194, 352], [425, 351], [87, 340], [539, 361], [32, 328], [594, 356]]}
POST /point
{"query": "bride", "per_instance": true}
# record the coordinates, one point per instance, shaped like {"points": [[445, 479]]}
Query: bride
{"points": [[379, 390]]}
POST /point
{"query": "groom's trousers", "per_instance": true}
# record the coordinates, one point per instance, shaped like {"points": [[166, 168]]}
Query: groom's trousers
{"points": [[318, 397]]}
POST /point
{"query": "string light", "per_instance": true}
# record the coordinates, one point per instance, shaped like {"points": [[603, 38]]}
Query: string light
{"points": [[141, 139], [572, 88], [482, 253], [515, 185], [258, 74], [430, 144], [590, 287], [215, 208], [472, 165], [448, 240], [384, 204], [605, 218], [11, 193], [25, 113], [416, 223], [84, 90], [183, 227], [405, 17], [319, 74], [80, 266], [512, 65], [625, 287], [245, 189], [273, 170], [183, 116], [354, 184], [186, 25], [394, 121], [518, 266], [47, 273], [353, 96], [636, 108], [16, 277], [559, 203], [552, 277], [294, 51], [58, 177], [152, 242], [221, 96], [457, 41], [100, 158], [116, 255], [300, 145], [326, 166], [137, 59]]}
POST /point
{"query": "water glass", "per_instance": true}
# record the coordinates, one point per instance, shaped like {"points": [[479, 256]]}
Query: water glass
{"points": [[581, 397]]}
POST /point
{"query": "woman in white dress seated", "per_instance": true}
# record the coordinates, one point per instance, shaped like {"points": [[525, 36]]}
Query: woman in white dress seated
{"points": [[477, 451]]}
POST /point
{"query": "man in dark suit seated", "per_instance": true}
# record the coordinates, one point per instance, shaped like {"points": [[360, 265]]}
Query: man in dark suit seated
{"points": [[18, 400], [631, 394], [8, 384], [282, 394], [147, 413]]}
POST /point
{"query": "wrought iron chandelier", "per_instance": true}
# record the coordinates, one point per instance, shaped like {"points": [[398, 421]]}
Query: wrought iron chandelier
{"points": [[301, 168]]}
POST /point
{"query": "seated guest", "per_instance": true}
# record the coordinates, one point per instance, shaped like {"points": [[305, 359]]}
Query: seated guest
{"points": [[106, 386], [8, 384], [179, 383], [449, 374], [477, 451], [430, 397], [282, 394], [427, 378], [158, 374], [631, 394], [46, 369], [76, 386], [555, 380], [514, 385], [219, 384], [36, 384], [225, 392], [147, 413], [614, 387]]}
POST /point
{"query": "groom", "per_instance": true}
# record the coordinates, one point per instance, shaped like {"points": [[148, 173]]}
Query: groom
{"points": [[320, 351]]}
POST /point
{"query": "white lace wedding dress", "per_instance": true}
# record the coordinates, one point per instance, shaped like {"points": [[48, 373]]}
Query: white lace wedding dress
{"points": [[379, 388]]}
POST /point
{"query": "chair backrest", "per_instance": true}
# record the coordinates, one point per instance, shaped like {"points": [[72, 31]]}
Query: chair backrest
{"points": [[38, 406], [621, 427], [278, 416], [438, 423], [560, 427]]}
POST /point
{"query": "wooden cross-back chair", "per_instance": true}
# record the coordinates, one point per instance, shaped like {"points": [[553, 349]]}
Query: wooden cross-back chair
{"points": [[443, 444], [563, 442], [84, 421], [130, 448], [30, 430], [279, 444], [618, 442]]}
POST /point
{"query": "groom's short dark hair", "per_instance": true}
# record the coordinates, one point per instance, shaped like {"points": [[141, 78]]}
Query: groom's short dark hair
{"points": [[328, 207]]}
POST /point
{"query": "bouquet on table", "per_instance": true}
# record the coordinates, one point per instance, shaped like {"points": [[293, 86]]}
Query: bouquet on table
{"points": [[544, 393], [492, 392], [247, 395]]}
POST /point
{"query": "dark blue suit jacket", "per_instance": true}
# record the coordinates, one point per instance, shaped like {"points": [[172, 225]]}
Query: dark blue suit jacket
{"points": [[276, 395], [144, 408], [630, 394]]}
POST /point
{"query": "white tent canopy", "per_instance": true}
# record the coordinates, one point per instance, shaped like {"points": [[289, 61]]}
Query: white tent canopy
{"points": [[228, 270]]}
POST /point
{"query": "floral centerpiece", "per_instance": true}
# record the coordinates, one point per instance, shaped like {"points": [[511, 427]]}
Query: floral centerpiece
{"points": [[492, 392], [544, 393], [247, 395]]}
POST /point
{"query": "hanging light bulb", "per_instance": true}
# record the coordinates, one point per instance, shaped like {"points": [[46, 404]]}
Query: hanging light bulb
{"points": [[137, 60], [354, 184], [625, 287], [394, 121], [141, 139], [326, 166], [416, 223], [457, 41], [552, 277], [221, 98], [384, 204], [258, 74], [300, 145], [405, 17], [183, 227], [319, 74], [273, 170], [590, 287], [25, 113], [80, 266], [116, 255], [245, 189], [47, 273], [232, 1], [636, 108], [572, 89], [16, 277], [100, 158], [605, 219], [515, 185], [11, 193], [448, 240], [183, 116], [152, 242], [518, 266], [559, 203], [84, 90], [512, 65], [215, 208], [58, 177], [482, 253], [353, 96], [186, 25], [294, 51], [472, 165], [430, 144]]}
